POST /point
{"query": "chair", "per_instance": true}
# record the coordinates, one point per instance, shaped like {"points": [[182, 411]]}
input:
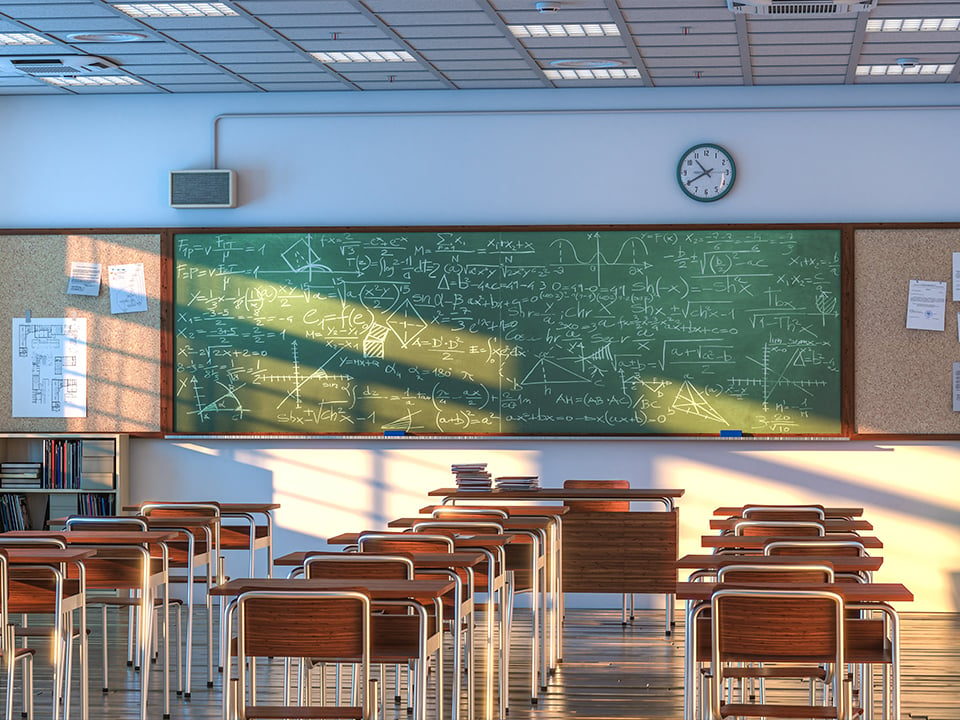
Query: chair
{"points": [[872, 640], [128, 565], [46, 590], [10, 653], [410, 639], [603, 506], [324, 626], [387, 543], [820, 548], [200, 547], [803, 628]]}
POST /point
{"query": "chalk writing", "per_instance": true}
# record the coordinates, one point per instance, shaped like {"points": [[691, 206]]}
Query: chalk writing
{"points": [[566, 331]]}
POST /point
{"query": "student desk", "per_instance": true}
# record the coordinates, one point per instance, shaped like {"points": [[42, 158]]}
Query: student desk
{"points": [[605, 552], [530, 570], [248, 535], [757, 542], [197, 544], [840, 563], [426, 593], [830, 525], [458, 565], [697, 596], [30, 594], [101, 575], [554, 541], [493, 547], [829, 512]]}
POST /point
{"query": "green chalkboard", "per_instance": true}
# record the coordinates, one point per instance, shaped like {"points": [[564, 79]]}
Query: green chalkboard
{"points": [[585, 331]]}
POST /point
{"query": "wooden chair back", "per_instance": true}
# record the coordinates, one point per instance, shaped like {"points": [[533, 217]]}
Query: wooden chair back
{"points": [[597, 505], [783, 512], [360, 566], [457, 527], [325, 626], [457, 512], [814, 548], [776, 626], [106, 524], [786, 573], [387, 542], [796, 528]]}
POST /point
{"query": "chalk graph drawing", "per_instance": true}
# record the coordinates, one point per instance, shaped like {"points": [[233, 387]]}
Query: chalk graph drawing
{"points": [[553, 331], [49, 367], [691, 401]]}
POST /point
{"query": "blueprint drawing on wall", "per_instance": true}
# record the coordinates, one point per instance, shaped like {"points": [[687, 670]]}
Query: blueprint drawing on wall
{"points": [[49, 367]]}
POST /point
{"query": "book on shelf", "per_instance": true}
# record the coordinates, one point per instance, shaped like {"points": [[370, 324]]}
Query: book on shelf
{"points": [[96, 504], [74, 464], [14, 514]]}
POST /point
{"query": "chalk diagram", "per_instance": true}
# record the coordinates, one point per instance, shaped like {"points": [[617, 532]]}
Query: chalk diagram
{"points": [[652, 331], [49, 367]]}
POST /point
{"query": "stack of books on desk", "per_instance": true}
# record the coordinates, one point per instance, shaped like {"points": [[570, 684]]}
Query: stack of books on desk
{"points": [[517, 482], [20, 474], [471, 476]]}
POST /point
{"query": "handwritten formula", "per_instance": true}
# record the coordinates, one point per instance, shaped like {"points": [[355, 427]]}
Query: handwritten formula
{"points": [[552, 332]]}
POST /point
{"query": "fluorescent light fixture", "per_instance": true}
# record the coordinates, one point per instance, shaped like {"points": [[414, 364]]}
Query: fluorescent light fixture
{"points": [[913, 25], [175, 9], [23, 39], [919, 69], [570, 30], [91, 80], [598, 74], [364, 56]]}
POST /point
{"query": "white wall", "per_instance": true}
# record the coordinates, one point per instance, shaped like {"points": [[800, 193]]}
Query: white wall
{"points": [[868, 154]]}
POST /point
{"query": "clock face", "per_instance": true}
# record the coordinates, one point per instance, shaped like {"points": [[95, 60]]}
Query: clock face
{"points": [[706, 172]]}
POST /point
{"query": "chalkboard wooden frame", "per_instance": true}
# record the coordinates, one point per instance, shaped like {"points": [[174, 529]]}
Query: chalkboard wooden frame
{"points": [[845, 232]]}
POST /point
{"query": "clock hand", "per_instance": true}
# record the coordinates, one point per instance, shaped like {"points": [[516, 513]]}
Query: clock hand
{"points": [[697, 177], [701, 165]]}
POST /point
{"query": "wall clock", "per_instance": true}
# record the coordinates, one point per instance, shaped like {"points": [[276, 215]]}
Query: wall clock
{"points": [[706, 172]]}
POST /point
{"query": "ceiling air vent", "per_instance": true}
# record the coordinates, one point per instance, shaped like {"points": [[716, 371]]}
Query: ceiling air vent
{"points": [[800, 8], [56, 66]]}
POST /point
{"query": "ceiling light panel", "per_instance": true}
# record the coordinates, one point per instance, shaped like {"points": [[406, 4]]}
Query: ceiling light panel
{"points": [[595, 74], [565, 30], [935, 24], [175, 10], [920, 69], [364, 56], [92, 80], [18, 38]]}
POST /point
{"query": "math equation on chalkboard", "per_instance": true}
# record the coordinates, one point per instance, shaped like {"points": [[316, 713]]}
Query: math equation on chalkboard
{"points": [[541, 332]]}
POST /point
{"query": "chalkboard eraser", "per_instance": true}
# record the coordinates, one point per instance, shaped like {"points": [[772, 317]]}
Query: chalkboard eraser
{"points": [[394, 433], [731, 433]]}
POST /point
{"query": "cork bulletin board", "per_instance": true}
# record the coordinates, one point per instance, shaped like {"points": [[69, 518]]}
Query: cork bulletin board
{"points": [[903, 378], [123, 352]]}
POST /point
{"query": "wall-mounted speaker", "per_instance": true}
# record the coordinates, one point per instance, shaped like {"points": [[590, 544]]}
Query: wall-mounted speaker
{"points": [[203, 188]]}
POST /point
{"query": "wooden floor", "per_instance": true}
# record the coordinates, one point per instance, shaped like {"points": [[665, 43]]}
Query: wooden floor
{"points": [[609, 671]]}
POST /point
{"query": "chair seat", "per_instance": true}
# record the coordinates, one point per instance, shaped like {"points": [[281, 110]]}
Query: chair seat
{"points": [[307, 712], [867, 642], [237, 537], [777, 672], [801, 712]]}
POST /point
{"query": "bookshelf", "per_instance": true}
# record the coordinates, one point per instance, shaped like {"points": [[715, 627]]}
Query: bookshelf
{"points": [[47, 475]]}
